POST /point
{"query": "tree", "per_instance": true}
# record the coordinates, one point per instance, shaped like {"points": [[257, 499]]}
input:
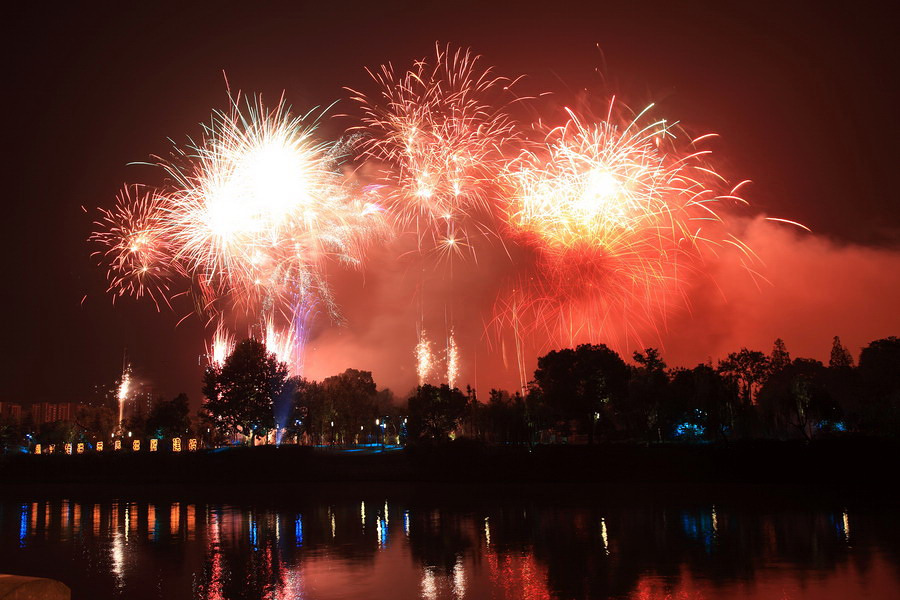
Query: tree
{"points": [[748, 369], [797, 397], [780, 357], [646, 392], [352, 395], [704, 400], [577, 385], [435, 412], [313, 412], [99, 420], [840, 356], [879, 369], [241, 393], [169, 418]]}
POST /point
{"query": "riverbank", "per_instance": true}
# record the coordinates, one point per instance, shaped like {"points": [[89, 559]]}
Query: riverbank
{"points": [[827, 463]]}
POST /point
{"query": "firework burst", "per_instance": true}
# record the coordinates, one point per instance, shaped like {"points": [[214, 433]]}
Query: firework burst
{"points": [[254, 213], [440, 143], [615, 212], [136, 248]]}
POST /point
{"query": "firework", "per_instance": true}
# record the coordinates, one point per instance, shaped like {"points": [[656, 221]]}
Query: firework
{"points": [[288, 343], [221, 347], [259, 207], [452, 360], [615, 212], [440, 142], [124, 391], [424, 359], [254, 213], [136, 248]]}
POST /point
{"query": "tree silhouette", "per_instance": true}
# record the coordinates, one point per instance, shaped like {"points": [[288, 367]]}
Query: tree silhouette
{"points": [[169, 418], [352, 395], [840, 356], [879, 368], [796, 397], [577, 385], [647, 391], [240, 395], [748, 369], [780, 357], [434, 412]]}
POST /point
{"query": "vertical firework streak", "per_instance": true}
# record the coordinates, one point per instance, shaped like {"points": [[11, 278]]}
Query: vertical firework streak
{"points": [[221, 346], [424, 359], [124, 392], [452, 360]]}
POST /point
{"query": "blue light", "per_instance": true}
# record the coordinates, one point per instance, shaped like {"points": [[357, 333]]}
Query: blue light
{"points": [[298, 530], [384, 532], [690, 430], [254, 534], [23, 525]]}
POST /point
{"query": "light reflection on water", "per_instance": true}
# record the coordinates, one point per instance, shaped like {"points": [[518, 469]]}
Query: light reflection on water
{"points": [[502, 548]]}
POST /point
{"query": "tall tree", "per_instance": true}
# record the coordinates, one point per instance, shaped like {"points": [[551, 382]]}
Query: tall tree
{"points": [[780, 357], [796, 398], [646, 393], [241, 393], [748, 369], [840, 356]]}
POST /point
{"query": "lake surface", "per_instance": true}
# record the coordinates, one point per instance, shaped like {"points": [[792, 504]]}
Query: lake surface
{"points": [[357, 544]]}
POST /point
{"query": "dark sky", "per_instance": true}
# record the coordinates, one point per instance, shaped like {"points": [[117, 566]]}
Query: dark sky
{"points": [[804, 96]]}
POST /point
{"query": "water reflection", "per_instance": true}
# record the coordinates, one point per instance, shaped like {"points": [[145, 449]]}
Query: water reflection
{"points": [[383, 548]]}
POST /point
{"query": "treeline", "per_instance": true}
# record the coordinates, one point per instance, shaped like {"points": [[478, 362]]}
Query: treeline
{"points": [[585, 394], [581, 395]]}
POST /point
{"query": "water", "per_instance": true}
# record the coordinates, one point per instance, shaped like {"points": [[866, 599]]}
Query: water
{"points": [[397, 546]]}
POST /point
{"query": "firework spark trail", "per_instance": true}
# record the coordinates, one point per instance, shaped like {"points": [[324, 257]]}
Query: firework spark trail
{"points": [[452, 360], [615, 211], [124, 391], [424, 359], [288, 344], [221, 346], [442, 144]]}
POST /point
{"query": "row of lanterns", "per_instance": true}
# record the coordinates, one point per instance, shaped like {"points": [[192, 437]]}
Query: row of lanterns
{"points": [[79, 448]]}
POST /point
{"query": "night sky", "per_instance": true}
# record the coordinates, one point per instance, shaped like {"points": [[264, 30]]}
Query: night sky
{"points": [[804, 97]]}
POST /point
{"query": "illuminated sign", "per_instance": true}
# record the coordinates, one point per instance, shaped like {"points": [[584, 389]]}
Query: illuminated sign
{"points": [[153, 444], [136, 445], [176, 445]]}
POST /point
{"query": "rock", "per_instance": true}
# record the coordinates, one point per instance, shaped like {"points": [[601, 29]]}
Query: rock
{"points": [[16, 587]]}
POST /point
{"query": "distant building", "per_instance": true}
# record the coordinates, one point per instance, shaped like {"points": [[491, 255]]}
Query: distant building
{"points": [[48, 412], [10, 412]]}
